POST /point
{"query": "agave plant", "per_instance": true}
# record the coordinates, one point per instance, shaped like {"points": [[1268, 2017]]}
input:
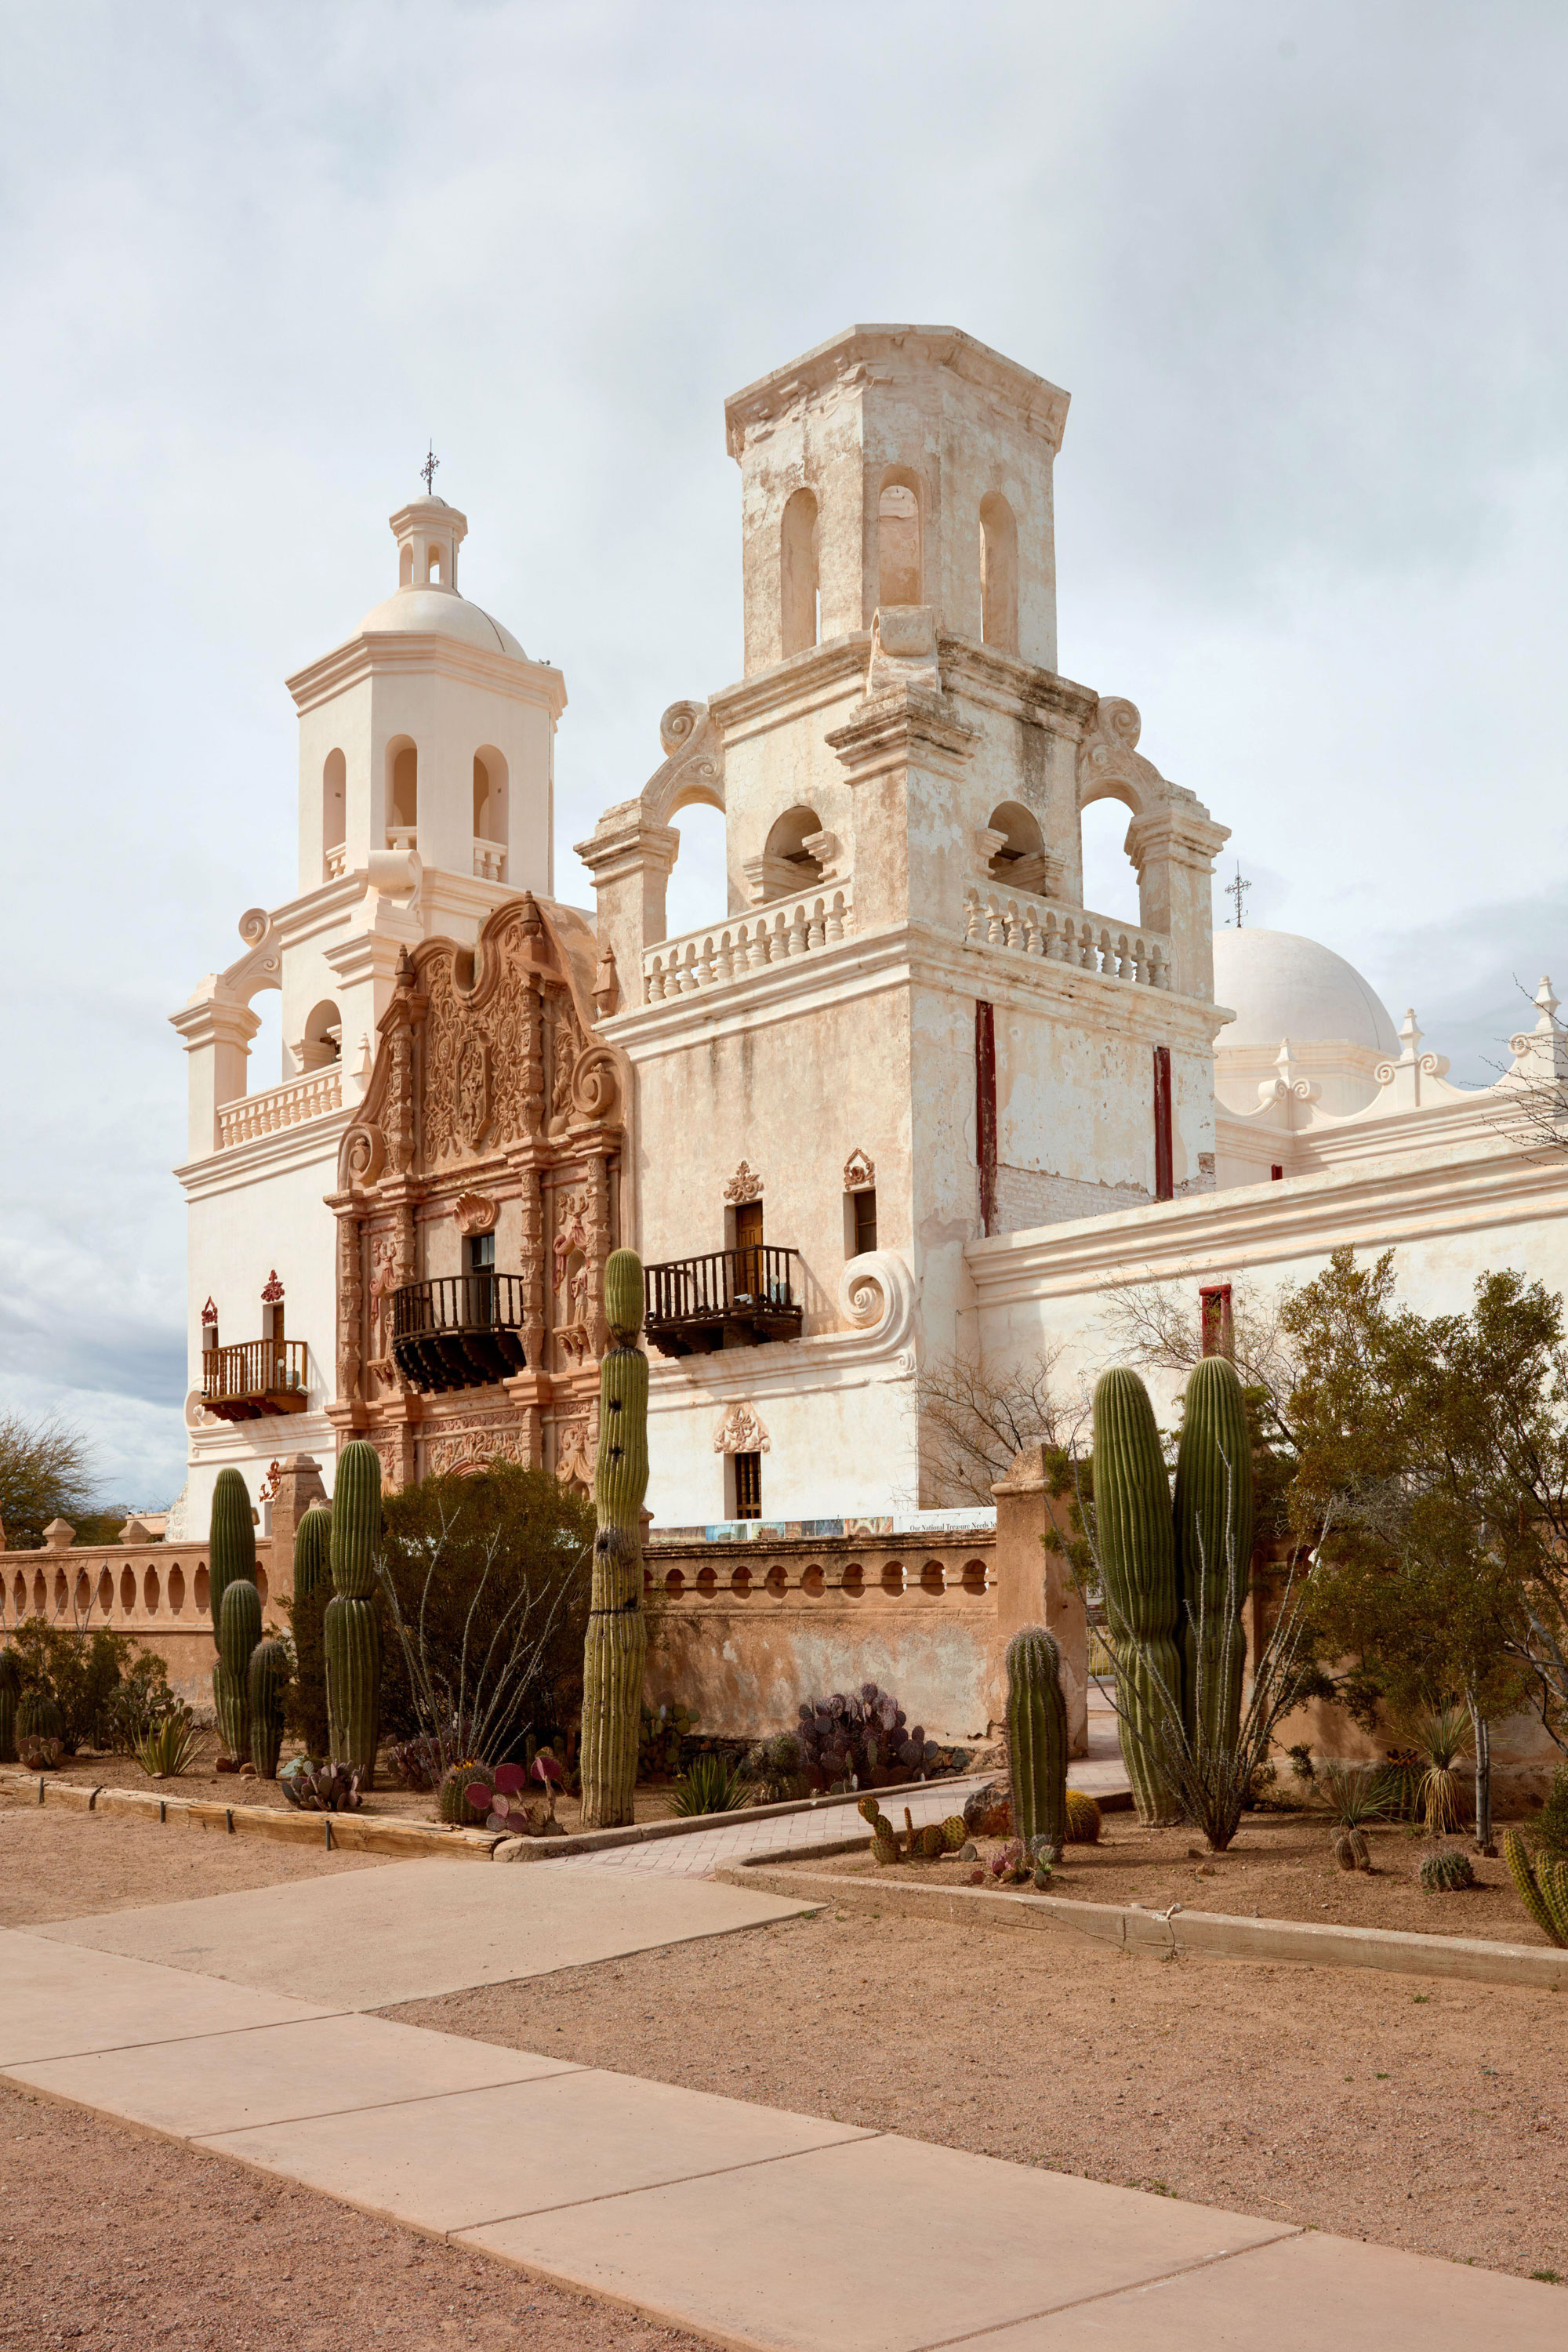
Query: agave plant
{"points": [[1353, 1794], [1441, 1737], [169, 1748], [711, 1786], [321, 1788]]}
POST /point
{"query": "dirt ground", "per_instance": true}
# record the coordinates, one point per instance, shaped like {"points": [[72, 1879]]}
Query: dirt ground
{"points": [[1409, 2112], [55, 1865], [1280, 1868], [116, 2238], [388, 1797]]}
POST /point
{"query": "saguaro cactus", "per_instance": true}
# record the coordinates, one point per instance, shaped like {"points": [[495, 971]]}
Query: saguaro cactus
{"points": [[268, 1681], [616, 1644], [350, 1630], [1214, 1551], [10, 1691], [231, 1541], [240, 1629], [312, 1586], [1038, 1741], [1138, 1560]]}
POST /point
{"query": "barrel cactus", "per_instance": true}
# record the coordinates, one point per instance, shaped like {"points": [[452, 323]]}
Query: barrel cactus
{"points": [[453, 1802], [268, 1681], [616, 1644], [351, 1630], [312, 1587], [1213, 1508], [1447, 1872], [1542, 1885], [240, 1629], [1138, 1562], [1083, 1818], [1038, 1739], [10, 1691], [40, 1730], [231, 1542]]}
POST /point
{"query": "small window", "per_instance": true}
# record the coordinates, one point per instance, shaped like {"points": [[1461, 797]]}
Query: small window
{"points": [[747, 1485], [433, 566], [898, 542], [799, 607], [479, 1251], [334, 801], [403, 795], [998, 573], [863, 1207]]}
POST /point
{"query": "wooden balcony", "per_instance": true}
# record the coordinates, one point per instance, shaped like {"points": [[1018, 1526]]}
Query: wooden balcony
{"points": [[258, 1378], [459, 1331], [735, 1299]]}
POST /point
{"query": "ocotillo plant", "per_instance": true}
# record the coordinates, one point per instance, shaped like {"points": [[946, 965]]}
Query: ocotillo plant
{"points": [[1138, 1563], [10, 1690], [350, 1630], [1214, 1551], [231, 1541], [269, 1679], [240, 1629], [616, 1644], [312, 1587], [1038, 1741]]}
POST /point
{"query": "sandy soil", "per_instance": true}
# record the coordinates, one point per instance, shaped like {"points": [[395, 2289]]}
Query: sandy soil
{"points": [[1279, 1868], [116, 2238], [72, 1866], [1416, 2114], [388, 1797]]}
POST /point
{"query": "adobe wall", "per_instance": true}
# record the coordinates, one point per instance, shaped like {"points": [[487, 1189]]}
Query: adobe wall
{"points": [[157, 1593]]}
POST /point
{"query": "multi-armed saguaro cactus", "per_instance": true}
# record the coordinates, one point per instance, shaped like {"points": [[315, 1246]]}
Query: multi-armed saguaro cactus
{"points": [[351, 1632], [1137, 1558], [616, 1644], [313, 1587], [1214, 1551], [1038, 1741], [231, 1563], [10, 1690], [269, 1679], [240, 1629]]}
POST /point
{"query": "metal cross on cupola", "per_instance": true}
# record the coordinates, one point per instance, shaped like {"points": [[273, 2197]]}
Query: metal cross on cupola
{"points": [[1237, 890], [427, 471]]}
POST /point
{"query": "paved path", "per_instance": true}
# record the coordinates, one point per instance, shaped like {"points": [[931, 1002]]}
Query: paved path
{"points": [[764, 2231]]}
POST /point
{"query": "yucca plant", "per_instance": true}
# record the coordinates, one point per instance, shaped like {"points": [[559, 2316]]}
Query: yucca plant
{"points": [[711, 1786], [169, 1748], [1441, 1739], [1354, 1795]]}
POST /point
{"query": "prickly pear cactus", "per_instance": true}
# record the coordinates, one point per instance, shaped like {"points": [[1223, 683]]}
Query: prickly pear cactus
{"points": [[616, 1645], [10, 1691], [1138, 1560], [1213, 1510], [240, 1629], [1038, 1739], [351, 1629], [269, 1680]]}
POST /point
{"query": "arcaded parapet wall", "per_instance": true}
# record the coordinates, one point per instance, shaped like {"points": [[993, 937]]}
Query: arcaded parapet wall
{"points": [[155, 1593]]}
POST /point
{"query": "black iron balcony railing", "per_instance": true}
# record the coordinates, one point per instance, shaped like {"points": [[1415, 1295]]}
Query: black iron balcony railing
{"points": [[259, 1377], [458, 1330], [741, 1296]]}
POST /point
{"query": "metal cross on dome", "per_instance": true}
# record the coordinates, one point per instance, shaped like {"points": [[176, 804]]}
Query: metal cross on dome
{"points": [[427, 471], [1237, 890]]}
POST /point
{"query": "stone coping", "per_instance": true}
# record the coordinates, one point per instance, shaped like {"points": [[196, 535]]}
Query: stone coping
{"points": [[939, 1526], [1212, 1934], [389, 1834]]}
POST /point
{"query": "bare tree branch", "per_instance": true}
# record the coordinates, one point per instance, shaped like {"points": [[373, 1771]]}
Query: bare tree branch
{"points": [[974, 1422]]}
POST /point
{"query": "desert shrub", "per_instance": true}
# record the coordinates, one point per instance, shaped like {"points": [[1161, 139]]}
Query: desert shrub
{"points": [[79, 1670], [711, 1786], [483, 1584], [773, 1767], [138, 1705]]}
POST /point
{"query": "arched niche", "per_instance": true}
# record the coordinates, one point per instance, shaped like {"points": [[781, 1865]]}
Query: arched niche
{"points": [[799, 600], [402, 792], [900, 553], [322, 1042], [998, 573], [490, 794]]}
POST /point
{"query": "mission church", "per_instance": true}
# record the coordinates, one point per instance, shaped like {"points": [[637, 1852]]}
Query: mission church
{"points": [[905, 1098]]}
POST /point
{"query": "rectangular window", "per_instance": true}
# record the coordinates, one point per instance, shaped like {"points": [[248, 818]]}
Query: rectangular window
{"points": [[480, 1252], [863, 1206], [747, 1485]]}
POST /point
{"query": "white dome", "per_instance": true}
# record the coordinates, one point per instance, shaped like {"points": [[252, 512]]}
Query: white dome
{"points": [[440, 611], [1279, 986]]}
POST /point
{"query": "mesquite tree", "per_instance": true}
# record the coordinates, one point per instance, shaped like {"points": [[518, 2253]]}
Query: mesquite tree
{"points": [[616, 1643]]}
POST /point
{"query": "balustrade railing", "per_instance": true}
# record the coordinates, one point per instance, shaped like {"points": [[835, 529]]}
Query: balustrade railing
{"points": [[690, 1303], [265, 1375], [248, 1116], [458, 1302], [995, 917], [490, 860], [799, 925]]}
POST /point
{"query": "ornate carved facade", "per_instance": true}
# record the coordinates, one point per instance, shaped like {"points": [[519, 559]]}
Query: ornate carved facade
{"points": [[491, 1109]]}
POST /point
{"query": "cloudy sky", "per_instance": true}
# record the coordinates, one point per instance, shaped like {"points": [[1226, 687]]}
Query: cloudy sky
{"points": [[1301, 267]]}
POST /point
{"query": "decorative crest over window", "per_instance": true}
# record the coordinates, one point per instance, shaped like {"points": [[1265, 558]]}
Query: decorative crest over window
{"points": [[745, 1185], [860, 1173], [740, 1432]]}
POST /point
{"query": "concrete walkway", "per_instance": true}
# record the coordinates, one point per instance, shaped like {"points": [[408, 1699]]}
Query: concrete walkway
{"points": [[758, 2228]]}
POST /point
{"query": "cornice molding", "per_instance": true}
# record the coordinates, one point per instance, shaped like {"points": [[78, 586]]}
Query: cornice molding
{"points": [[395, 652], [878, 1296], [291, 1148]]}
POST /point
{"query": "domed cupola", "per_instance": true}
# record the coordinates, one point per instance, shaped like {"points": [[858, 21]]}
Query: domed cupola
{"points": [[1279, 986]]}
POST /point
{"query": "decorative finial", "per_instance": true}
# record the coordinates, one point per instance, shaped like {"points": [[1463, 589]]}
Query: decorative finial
{"points": [[427, 471], [1237, 890]]}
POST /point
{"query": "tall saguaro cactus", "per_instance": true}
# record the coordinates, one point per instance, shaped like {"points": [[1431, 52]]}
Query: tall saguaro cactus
{"points": [[1138, 1561], [240, 1631], [231, 1562], [351, 1631], [1038, 1740], [616, 1644], [231, 1541], [267, 1680], [10, 1691], [1214, 1551], [313, 1589]]}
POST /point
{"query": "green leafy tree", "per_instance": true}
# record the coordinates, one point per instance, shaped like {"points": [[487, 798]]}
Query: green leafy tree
{"points": [[44, 1470]]}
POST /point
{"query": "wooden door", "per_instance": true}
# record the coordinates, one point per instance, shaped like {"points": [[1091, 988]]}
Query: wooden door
{"points": [[749, 1249]]}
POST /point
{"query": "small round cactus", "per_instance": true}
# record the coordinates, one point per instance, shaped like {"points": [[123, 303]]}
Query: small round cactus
{"points": [[1083, 1818], [1447, 1872], [453, 1804]]}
